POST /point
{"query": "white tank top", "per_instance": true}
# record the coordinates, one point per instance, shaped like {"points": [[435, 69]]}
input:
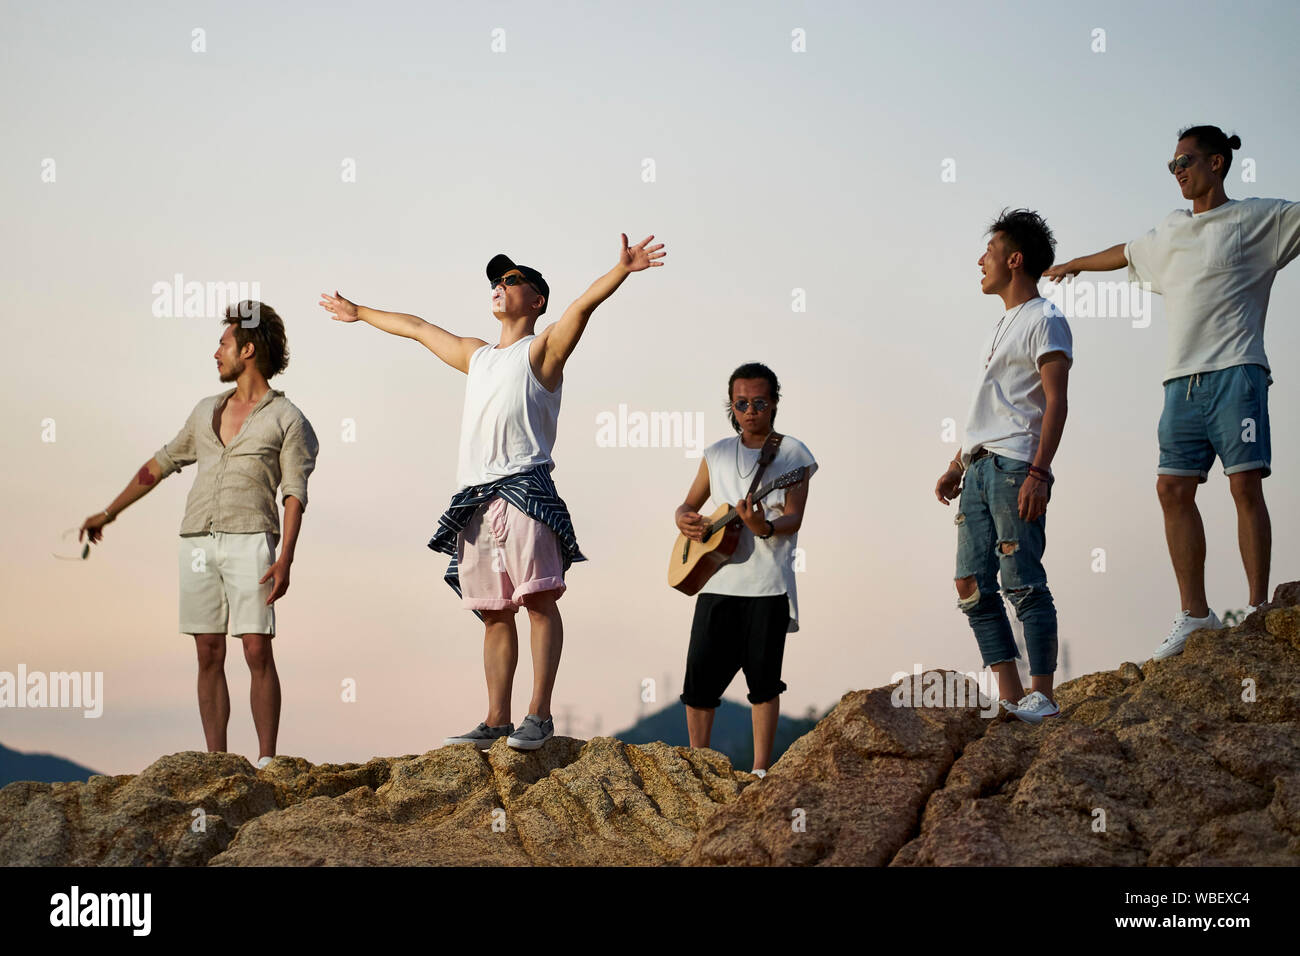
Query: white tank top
{"points": [[508, 425]]}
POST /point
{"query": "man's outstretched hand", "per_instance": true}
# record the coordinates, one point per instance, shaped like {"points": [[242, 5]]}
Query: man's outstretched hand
{"points": [[344, 311], [1066, 270], [638, 257]]}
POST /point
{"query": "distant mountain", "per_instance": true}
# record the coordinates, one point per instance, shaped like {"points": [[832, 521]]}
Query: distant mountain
{"points": [[43, 768], [733, 731]]}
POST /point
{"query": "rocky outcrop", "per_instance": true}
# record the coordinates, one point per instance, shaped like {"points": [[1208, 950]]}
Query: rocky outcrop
{"points": [[1194, 760]]}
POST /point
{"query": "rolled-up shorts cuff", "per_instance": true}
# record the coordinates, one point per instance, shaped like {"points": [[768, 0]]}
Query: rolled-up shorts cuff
{"points": [[701, 703], [1199, 473], [1250, 466], [765, 696]]}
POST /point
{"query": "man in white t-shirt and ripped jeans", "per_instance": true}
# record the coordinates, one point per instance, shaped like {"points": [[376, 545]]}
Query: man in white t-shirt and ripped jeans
{"points": [[1004, 472], [508, 532], [1215, 266], [746, 608]]}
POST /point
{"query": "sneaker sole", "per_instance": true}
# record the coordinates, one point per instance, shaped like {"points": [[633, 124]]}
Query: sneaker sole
{"points": [[476, 744], [1035, 718], [526, 744]]}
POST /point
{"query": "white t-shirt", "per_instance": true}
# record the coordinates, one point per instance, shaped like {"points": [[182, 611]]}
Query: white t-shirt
{"points": [[1215, 270], [508, 424], [1006, 413], [759, 567]]}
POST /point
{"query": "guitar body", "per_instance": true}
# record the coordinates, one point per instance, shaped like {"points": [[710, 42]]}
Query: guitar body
{"points": [[694, 562]]}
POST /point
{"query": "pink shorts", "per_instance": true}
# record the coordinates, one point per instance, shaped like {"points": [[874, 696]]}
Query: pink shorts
{"points": [[503, 555]]}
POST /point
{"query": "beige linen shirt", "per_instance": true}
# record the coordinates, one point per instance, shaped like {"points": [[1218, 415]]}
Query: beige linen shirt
{"points": [[234, 490]]}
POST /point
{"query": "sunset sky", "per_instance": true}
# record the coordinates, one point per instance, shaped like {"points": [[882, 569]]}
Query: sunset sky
{"points": [[857, 177]]}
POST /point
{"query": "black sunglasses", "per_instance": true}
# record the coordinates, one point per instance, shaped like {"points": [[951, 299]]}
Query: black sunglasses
{"points": [[760, 404], [513, 280]]}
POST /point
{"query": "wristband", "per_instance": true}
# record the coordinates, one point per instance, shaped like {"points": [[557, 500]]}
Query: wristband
{"points": [[1041, 473], [771, 530]]}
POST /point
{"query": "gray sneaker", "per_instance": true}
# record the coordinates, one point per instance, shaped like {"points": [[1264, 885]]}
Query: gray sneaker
{"points": [[532, 733], [481, 736]]}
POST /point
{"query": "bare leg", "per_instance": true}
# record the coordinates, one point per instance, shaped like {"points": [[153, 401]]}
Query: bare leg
{"points": [[500, 655], [764, 717], [214, 695], [547, 639], [1009, 686], [1043, 684], [264, 693], [1185, 535], [1254, 531], [699, 724]]}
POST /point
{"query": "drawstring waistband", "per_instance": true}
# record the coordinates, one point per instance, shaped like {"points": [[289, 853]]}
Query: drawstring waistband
{"points": [[1190, 378]]}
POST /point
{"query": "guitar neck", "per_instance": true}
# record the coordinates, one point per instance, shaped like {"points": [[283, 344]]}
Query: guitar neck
{"points": [[759, 495]]}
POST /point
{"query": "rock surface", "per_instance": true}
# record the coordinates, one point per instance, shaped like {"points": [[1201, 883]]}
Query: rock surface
{"points": [[1194, 760]]}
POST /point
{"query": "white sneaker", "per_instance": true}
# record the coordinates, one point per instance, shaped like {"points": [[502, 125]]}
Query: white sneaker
{"points": [[1033, 707], [760, 774], [1007, 705], [1184, 624], [263, 762]]}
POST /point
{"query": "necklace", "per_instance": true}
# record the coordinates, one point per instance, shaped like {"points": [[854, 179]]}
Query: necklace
{"points": [[996, 340], [746, 474]]}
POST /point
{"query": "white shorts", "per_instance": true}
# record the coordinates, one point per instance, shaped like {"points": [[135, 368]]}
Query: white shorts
{"points": [[219, 572]]}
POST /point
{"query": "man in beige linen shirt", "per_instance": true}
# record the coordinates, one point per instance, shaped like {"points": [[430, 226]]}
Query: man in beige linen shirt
{"points": [[246, 441]]}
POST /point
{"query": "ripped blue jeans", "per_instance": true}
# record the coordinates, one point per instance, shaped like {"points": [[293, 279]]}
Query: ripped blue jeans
{"points": [[992, 541]]}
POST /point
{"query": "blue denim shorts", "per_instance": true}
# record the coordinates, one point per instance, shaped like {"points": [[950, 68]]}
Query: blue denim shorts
{"points": [[1222, 413]]}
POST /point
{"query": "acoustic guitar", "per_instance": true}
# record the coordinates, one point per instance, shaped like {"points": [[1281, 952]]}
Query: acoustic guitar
{"points": [[692, 562]]}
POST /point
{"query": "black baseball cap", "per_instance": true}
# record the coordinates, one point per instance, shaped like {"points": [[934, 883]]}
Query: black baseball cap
{"points": [[501, 263]]}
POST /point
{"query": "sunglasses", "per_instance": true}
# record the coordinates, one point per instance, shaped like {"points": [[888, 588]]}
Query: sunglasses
{"points": [[760, 404], [1181, 161], [69, 548], [513, 280]]}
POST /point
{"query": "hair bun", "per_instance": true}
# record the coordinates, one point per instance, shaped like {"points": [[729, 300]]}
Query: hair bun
{"points": [[1234, 141]]}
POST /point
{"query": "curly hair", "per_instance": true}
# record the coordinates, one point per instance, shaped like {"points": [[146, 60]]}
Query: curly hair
{"points": [[266, 332]]}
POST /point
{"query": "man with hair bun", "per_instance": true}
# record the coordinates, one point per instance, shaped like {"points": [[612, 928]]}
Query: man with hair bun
{"points": [[247, 441], [1215, 266]]}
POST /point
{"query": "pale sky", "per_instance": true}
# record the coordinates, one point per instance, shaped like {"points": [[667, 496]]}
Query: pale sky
{"points": [[773, 171]]}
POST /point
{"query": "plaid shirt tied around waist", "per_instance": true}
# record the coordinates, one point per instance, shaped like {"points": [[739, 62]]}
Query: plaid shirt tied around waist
{"points": [[532, 492]]}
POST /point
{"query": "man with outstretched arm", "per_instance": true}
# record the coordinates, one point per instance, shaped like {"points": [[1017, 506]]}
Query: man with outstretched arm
{"points": [[247, 441], [1004, 474], [1215, 266], [508, 532]]}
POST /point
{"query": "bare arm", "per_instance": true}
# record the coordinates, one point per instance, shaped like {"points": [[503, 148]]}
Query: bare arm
{"points": [[687, 516], [796, 501], [562, 337], [145, 479], [1055, 371], [288, 542], [453, 349], [1104, 261]]}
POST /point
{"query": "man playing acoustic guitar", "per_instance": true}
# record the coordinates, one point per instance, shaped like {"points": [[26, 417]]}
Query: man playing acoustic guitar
{"points": [[746, 608]]}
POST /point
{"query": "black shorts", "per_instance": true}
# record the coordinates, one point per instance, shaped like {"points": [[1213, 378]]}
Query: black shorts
{"points": [[731, 633]]}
